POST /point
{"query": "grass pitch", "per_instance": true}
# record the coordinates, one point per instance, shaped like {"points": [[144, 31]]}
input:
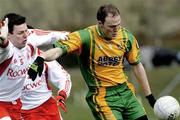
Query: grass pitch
{"points": [[159, 79]]}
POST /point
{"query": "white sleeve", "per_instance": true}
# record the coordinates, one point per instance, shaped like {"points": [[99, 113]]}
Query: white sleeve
{"points": [[5, 53], [59, 77], [39, 37]]}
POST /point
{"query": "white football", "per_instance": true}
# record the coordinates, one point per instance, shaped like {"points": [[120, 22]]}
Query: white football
{"points": [[167, 108]]}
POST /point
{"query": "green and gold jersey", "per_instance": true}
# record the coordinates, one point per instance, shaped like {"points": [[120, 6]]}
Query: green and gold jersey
{"points": [[101, 61]]}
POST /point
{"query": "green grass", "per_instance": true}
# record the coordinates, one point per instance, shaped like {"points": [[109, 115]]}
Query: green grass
{"points": [[78, 109]]}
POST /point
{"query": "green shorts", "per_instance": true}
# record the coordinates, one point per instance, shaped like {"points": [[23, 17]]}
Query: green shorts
{"points": [[114, 103]]}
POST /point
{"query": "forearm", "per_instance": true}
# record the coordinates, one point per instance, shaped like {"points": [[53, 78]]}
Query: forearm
{"points": [[59, 77], [52, 54], [45, 37], [141, 77]]}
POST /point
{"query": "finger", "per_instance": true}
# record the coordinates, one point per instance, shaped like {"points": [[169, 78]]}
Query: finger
{"points": [[40, 73], [63, 106], [40, 70], [32, 74], [66, 38], [67, 33], [6, 22], [33, 77]]}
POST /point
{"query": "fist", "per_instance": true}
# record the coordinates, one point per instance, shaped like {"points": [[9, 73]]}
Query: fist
{"points": [[3, 30]]}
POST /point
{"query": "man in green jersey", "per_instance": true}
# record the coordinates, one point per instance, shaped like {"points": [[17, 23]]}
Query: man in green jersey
{"points": [[102, 49]]}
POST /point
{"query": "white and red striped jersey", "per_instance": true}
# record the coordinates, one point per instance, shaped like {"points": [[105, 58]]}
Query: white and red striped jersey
{"points": [[14, 62], [37, 92]]}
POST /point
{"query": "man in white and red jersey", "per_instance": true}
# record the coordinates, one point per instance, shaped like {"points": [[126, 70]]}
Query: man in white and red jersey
{"points": [[37, 100], [16, 53]]}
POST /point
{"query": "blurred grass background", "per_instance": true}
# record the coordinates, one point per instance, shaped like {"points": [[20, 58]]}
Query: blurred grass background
{"points": [[159, 78], [153, 22]]}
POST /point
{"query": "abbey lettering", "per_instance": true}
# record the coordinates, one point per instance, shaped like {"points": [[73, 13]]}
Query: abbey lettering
{"points": [[109, 61]]}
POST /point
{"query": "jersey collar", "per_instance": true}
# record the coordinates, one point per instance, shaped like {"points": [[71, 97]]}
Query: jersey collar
{"points": [[101, 33]]}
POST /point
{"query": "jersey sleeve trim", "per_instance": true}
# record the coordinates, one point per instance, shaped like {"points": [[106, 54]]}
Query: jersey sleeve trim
{"points": [[63, 47]]}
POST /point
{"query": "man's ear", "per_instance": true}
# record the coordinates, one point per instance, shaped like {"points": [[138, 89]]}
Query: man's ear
{"points": [[100, 23]]}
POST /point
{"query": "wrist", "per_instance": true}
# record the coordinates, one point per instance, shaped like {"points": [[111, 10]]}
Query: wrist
{"points": [[63, 94], [150, 96], [40, 58], [151, 99]]}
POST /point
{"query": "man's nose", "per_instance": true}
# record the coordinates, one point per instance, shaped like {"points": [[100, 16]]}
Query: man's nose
{"points": [[116, 28], [25, 34]]}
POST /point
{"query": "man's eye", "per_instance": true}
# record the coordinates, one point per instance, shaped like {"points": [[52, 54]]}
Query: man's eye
{"points": [[19, 33]]}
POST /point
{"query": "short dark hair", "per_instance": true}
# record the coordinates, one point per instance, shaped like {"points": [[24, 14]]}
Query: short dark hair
{"points": [[104, 10], [14, 19]]}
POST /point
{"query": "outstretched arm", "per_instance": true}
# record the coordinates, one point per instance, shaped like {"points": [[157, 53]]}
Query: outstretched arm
{"points": [[73, 44], [52, 54], [38, 65]]}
